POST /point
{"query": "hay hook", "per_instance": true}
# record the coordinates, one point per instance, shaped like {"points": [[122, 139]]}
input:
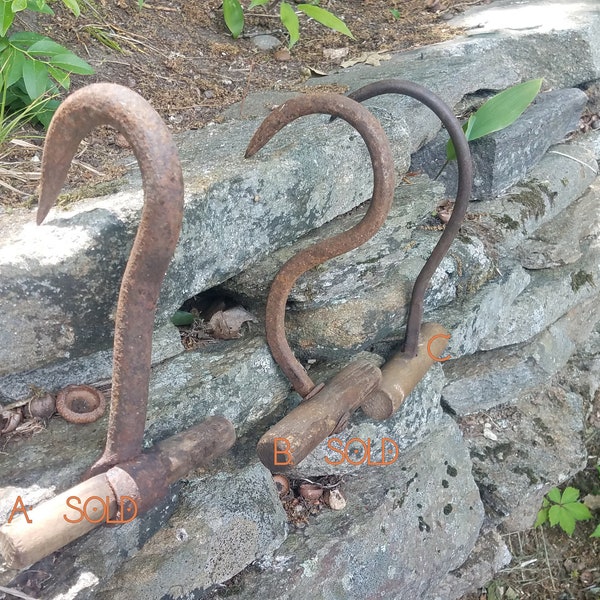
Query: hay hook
{"points": [[154, 245], [463, 193], [383, 192]]}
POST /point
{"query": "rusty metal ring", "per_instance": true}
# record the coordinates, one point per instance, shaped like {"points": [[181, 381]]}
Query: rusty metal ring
{"points": [[465, 183], [80, 404], [383, 193]]}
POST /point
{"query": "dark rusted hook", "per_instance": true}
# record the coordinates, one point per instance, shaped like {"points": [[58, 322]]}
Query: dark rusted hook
{"points": [[465, 182], [383, 193], [154, 245], [124, 482]]}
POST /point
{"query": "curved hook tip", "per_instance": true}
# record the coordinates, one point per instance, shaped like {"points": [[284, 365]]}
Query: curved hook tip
{"points": [[256, 142]]}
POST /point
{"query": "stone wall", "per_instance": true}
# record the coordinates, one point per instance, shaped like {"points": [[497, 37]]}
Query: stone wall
{"points": [[481, 438]]}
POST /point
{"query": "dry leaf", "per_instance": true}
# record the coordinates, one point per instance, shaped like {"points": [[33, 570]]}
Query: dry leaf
{"points": [[592, 501], [317, 72], [369, 58], [335, 53], [227, 324], [444, 210]]}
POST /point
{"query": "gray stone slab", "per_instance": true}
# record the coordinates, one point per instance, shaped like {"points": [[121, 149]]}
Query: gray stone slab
{"points": [[360, 298], [539, 444], [222, 524], [489, 555], [502, 158], [487, 379], [551, 292], [364, 549], [238, 211]]}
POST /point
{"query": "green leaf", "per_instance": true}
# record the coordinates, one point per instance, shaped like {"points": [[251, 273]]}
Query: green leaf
{"points": [[499, 112], [18, 5], [69, 62], [39, 6], [6, 16], [35, 76], [542, 517], [325, 18], [234, 17], [181, 317], [395, 13], [578, 510], [24, 39], [16, 68], [46, 112], [554, 495], [504, 108], [60, 77], [566, 522], [257, 3], [46, 47], [570, 494], [290, 21], [72, 6], [554, 514], [596, 531]]}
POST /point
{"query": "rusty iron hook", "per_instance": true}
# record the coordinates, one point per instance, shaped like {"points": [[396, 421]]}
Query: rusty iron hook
{"points": [[383, 192], [153, 248], [124, 482], [465, 183]]}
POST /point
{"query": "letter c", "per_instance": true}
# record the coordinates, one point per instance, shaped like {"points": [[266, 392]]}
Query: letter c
{"points": [[435, 337]]}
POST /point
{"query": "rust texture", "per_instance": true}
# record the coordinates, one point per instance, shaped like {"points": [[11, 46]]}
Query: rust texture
{"points": [[465, 183], [383, 191], [154, 244], [80, 404]]}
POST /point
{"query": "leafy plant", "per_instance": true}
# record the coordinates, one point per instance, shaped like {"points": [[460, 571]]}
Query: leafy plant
{"points": [[498, 112], [33, 68], [233, 14], [564, 510]]}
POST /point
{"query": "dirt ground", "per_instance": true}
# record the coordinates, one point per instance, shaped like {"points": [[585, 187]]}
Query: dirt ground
{"points": [[180, 57]]}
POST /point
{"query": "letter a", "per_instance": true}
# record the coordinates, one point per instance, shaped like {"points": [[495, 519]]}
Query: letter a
{"points": [[277, 449], [21, 509]]}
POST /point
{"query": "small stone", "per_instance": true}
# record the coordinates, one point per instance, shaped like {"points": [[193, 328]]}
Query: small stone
{"points": [[266, 42], [488, 433], [335, 499], [282, 55], [335, 53], [209, 94]]}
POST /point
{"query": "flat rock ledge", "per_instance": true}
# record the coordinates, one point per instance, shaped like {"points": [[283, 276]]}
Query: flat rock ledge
{"points": [[482, 437]]}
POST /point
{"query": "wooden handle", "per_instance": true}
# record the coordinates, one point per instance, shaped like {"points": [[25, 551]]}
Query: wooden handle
{"points": [[33, 534], [293, 438], [400, 374]]}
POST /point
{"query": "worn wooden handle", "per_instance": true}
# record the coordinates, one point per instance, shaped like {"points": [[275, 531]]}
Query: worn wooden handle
{"points": [[33, 534]]}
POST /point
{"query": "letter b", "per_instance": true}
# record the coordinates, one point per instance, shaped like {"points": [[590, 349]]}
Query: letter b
{"points": [[282, 448]]}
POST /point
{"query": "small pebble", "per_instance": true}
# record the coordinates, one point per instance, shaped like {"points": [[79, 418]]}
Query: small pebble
{"points": [[282, 55], [335, 500], [266, 42], [488, 433]]}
